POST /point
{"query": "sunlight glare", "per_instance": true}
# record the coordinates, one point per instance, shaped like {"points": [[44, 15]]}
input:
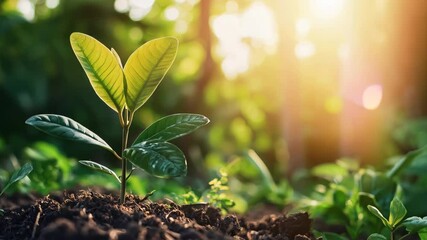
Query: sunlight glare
{"points": [[302, 27], [137, 14], [26, 8], [326, 9], [139, 9], [372, 96], [146, 4], [226, 27], [304, 49], [236, 62], [121, 6], [171, 13], [258, 23], [51, 4], [233, 29]]}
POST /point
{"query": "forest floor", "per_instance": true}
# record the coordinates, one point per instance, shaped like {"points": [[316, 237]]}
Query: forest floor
{"points": [[88, 214]]}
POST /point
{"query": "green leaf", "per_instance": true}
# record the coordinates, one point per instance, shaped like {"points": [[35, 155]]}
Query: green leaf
{"points": [[18, 175], [256, 160], [329, 171], [415, 224], [376, 236], [171, 127], [405, 162], [116, 55], [102, 68], [161, 159], [332, 236], [379, 215], [366, 199], [397, 212], [66, 128], [100, 167], [146, 68]]}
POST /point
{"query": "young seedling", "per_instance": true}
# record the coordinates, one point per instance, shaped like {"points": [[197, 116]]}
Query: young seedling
{"points": [[16, 176], [125, 90], [398, 212]]}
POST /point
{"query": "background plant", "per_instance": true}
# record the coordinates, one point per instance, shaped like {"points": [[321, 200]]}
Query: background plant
{"points": [[125, 90], [396, 220], [16, 176]]}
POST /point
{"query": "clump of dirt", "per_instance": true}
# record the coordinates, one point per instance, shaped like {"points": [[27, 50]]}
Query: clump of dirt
{"points": [[92, 215]]}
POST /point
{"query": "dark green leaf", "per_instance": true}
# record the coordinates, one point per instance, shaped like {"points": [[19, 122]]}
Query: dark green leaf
{"points": [[405, 162], [18, 175], [161, 159], [397, 212], [99, 167], [415, 224], [379, 215], [171, 127], [366, 199], [66, 128], [376, 236]]}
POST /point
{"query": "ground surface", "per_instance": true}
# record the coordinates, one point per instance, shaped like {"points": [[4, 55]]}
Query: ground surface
{"points": [[91, 215]]}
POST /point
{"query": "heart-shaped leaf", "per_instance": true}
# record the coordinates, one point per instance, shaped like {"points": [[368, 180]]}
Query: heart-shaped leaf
{"points": [[415, 224], [66, 128], [171, 127], [102, 68], [18, 175], [379, 215], [397, 212], [146, 68], [100, 167], [161, 159]]}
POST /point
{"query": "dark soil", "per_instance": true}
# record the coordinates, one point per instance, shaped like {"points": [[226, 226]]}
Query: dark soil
{"points": [[92, 215]]}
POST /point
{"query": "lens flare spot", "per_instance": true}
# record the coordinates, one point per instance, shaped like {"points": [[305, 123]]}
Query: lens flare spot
{"points": [[372, 96]]}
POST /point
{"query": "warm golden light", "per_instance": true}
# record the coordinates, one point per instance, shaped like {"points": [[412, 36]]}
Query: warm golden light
{"points": [[372, 96], [304, 49], [302, 27], [326, 9], [234, 29]]}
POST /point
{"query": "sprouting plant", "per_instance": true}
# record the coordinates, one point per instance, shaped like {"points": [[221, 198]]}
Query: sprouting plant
{"points": [[16, 176], [216, 194], [125, 90], [395, 221]]}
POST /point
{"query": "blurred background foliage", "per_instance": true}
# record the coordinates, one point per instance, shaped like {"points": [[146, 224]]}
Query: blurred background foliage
{"points": [[300, 82]]}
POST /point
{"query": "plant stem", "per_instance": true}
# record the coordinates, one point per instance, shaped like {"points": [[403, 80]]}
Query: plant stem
{"points": [[125, 135]]}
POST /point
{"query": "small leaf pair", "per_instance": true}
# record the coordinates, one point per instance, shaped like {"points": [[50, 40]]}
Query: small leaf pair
{"points": [[132, 85], [397, 213]]}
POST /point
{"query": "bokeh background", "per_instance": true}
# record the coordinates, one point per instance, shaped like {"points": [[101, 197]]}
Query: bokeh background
{"points": [[301, 82]]}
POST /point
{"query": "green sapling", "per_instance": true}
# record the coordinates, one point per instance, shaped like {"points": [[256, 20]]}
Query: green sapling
{"points": [[125, 90]]}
